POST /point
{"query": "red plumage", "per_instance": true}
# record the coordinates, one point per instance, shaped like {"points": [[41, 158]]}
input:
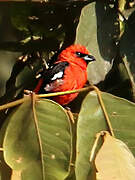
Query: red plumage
{"points": [[69, 73]]}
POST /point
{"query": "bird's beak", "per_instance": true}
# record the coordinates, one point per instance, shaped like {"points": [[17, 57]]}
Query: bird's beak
{"points": [[89, 58]]}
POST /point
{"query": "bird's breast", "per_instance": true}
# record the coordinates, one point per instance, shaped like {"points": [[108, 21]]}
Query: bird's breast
{"points": [[78, 76]]}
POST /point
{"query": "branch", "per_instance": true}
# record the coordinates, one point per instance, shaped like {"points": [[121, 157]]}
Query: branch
{"points": [[20, 101]]}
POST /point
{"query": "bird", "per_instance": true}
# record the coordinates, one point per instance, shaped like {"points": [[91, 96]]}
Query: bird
{"points": [[68, 72]]}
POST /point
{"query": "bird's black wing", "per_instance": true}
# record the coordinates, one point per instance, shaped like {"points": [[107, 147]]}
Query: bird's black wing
{"points": [[56, 71]]}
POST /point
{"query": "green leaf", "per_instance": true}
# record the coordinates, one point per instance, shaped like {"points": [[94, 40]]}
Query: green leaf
{"points": [[98, 34], [38, 141], [91, 121]]}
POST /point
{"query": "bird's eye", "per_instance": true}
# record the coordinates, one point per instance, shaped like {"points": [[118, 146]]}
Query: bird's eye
{"points": [[78, 53]]}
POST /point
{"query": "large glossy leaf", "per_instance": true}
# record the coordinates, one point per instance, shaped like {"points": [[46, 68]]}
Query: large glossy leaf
{"points": [[114, 160], [91, 121], [38, 141], [98, 34]]}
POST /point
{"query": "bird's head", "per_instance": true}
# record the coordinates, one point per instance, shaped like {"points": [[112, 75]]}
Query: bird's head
{"points": [[77, 54]]}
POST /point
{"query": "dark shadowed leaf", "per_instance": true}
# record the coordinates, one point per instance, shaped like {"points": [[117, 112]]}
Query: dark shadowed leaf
{"points": [[5, 170], [98, 34], [7, 59], [38, 141], [19, 16], [91, 121], [127, 46]]}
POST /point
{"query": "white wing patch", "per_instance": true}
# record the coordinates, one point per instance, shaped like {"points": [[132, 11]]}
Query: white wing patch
{"points": [[57, 76], [53, 85]]}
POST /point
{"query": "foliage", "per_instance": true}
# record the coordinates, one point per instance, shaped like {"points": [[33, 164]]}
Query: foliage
{"points": [[39, 139]]}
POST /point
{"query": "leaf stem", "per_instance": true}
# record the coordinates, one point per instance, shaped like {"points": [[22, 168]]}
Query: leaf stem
{"points": [[93, 151], [33, 100], [92, 154], [104, 109]]}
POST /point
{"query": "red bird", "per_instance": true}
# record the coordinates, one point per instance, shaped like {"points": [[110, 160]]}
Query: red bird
{"points": [[69, 72]]}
